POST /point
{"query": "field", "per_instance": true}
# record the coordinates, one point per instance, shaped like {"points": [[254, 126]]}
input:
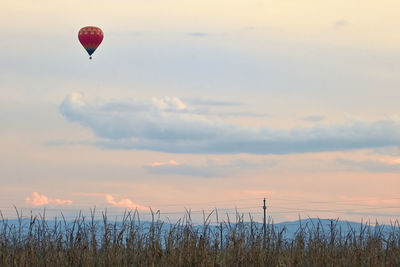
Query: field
{"points": [[87, 241]]}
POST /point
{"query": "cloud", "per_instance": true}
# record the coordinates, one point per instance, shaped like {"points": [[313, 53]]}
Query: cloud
{"points": [[340, 23], [374, 166], [241, 114], [212, 168], [59, 142], [375, 214], [372, 201], [391, 151], [210, 102], [202, 107], [169, 125], [40, 200], [124, 203], [157, 164], [315, 118], [249, 28], [198, 34]]}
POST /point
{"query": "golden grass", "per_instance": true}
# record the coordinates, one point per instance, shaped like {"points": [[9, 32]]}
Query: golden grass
{"points": [[89, 242]]}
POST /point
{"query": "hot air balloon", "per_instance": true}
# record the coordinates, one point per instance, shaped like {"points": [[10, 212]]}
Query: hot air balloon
{"points": [[90, 38]]}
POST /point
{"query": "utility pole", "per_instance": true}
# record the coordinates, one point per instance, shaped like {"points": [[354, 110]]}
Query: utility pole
{"points": [[265, 219], [221, 236]]}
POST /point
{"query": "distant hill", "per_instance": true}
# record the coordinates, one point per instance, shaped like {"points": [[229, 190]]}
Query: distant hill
{"points": [[288, 229], [310, 225]]}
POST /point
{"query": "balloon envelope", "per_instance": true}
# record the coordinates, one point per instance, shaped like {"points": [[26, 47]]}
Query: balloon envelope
{"points": [[90, 38]]}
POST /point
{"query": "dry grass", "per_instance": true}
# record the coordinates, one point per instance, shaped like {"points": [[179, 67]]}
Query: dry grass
{"points": [[89, 242]]}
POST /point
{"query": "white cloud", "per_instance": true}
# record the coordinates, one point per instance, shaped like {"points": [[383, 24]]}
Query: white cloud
{"points": [[124, 203], [169, 103], [169, 125], [40, 200]]}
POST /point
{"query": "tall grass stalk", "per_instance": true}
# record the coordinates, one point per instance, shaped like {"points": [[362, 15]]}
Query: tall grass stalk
{"points": [[129, 242]]}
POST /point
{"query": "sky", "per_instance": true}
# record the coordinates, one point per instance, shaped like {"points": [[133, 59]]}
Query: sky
{"points": [[201, 105]]}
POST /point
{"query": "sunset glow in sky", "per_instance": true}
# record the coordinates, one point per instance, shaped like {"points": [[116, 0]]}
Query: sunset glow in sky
{"points": [[202, 104]]}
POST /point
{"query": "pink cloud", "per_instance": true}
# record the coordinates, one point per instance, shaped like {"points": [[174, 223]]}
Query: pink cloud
{"points": [[124, 203], [395, 161], [170, 162], [40, 200]]}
